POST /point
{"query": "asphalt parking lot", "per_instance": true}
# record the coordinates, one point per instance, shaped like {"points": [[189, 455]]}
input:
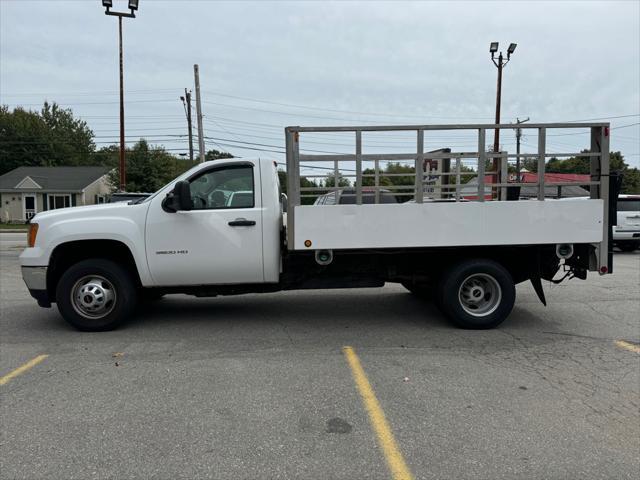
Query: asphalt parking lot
{"points": [[260, 386]]}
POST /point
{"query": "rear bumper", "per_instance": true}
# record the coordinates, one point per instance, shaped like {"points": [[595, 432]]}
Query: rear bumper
{"points": [[35, 278], [625, 235]]}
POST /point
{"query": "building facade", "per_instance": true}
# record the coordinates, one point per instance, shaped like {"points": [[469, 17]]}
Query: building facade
{"points": [[26, 191]]}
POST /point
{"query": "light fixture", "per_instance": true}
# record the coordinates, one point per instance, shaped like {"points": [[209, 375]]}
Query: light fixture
{"points": [[107, 3], [493, 48], [133, 4], [512, 48]]}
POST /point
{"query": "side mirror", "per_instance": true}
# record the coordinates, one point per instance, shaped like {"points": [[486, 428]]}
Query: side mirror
{"points": [[284, 201], [179, 198]]}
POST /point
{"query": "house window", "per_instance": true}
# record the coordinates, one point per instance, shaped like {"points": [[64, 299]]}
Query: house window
{"points": [[59, 201], [100, 199]]}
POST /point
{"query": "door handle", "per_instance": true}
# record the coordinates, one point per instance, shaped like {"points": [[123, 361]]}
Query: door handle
{"points": [[242, 222]]}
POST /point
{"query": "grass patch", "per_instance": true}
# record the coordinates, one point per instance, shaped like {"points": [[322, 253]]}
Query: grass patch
{"points": [[13, 226]]}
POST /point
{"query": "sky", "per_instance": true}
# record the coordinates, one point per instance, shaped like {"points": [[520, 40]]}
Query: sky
{"points": [[265, 65]]}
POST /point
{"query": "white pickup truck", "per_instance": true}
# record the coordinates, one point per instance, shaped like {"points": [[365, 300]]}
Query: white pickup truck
{"points": [[219, 229]]}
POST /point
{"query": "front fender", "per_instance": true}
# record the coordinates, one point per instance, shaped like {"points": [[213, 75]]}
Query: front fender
{"points": [[128, 230]]}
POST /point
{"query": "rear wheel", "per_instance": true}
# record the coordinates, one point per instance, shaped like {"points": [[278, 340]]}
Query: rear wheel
{"points": [[477, 294], [96, 295]]}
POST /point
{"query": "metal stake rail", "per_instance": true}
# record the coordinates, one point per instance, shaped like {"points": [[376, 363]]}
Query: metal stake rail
{"points": [[598, 154]]}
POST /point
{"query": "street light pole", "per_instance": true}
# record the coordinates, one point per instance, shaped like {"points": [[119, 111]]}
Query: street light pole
{"points": [[496, 137], [123, 174], [500, 64], [133, 6]]}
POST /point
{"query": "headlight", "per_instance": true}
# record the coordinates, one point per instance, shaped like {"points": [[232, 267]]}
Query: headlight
{"points": [[31, 236]]}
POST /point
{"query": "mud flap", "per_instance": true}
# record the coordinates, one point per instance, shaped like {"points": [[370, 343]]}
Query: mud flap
{"points": [[536, 281], [536, 277]]}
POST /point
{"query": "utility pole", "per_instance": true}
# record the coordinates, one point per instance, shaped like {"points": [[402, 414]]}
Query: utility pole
{"points": [[518, 137], [196, 74], [186, 103]]}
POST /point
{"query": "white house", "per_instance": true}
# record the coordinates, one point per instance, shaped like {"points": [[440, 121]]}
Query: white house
{"points": [[26, 191]]}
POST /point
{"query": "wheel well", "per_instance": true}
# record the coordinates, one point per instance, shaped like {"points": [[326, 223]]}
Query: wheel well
{"points": [[70, 253]]}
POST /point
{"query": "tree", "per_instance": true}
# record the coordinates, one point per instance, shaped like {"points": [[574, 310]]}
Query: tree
{"points": [[330, 181], [50, 137], [148, 167], [216, 154], [582, 165], [304, 182], [630, 181]]}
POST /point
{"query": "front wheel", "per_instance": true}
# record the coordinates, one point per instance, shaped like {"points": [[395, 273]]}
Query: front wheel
{"points": [[477, 294], [96, 295]]}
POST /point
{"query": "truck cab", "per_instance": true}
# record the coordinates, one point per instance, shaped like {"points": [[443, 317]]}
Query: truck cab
{"points": [[228, 233]]}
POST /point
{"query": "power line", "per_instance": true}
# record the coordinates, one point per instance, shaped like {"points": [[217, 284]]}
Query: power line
{"points": [[158, 100], [603, 118], [584, 133], [92, 93], [333, 110]]}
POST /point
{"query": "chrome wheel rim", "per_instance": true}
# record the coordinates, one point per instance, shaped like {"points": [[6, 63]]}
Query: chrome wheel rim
{"points": [[93, 297], [480, 295]]}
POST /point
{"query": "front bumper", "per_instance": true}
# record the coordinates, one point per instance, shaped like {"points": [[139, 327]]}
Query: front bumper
{"points": [[35, 278]]}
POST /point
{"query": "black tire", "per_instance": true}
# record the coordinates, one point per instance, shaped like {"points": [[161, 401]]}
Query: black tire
{"points": [[628, 246], [104, 276], [477, 294]]}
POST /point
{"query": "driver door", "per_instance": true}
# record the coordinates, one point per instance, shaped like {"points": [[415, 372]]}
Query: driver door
{"points": [[219, 241]]}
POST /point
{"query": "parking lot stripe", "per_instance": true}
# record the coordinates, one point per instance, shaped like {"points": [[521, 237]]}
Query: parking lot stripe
{"points": [[632, 347], [23, 368], [387, 442]]}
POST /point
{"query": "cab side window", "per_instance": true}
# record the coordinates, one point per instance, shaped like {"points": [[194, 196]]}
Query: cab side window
{"points": [[226, 187]]}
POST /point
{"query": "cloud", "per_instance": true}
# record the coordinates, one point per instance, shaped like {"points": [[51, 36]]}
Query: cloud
{"points": [[574, 60]]}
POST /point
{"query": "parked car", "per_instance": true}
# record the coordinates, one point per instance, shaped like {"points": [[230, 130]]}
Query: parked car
{"points": [[347, 196], [626, 234]]}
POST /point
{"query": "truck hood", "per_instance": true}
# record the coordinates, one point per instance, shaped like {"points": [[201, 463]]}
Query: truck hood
{"points": [[121, 209]]}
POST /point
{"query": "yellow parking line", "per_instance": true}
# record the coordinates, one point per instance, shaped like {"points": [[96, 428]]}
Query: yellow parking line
{"points": [[632, 347], [30, 364], [395, 461]]}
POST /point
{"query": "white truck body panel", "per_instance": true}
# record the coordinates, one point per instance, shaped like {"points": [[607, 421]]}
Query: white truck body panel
{"points": [[115, 221], [448, 224]]}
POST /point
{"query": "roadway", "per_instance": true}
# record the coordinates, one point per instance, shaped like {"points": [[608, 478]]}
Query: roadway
{"points": [[260, 386]]}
